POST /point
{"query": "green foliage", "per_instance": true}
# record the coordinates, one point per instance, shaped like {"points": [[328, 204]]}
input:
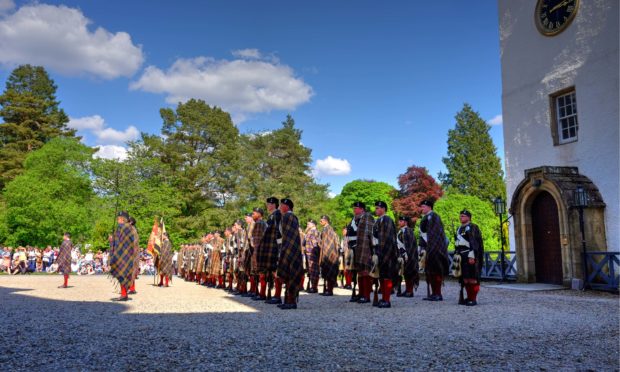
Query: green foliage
{"points": [[449, 208], [51, 196], [366, 191], [31, 117], [472, 162]]}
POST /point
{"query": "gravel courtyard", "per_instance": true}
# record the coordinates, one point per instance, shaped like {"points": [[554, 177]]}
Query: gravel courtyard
{"points": [[191, 327]]}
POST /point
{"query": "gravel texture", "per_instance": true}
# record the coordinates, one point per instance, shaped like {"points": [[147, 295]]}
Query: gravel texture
{"points": [[196, 328]]}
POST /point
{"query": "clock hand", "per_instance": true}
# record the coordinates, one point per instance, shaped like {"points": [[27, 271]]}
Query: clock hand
{"points": [[559, 6]]}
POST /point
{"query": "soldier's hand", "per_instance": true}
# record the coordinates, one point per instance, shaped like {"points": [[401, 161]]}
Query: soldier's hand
{"points": [[471, 261]]}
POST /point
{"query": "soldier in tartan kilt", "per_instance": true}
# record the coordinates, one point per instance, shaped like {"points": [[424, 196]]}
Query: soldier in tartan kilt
{"points": [[290, 263], [64, 258], [329, 257], [245, 264], [165, 262], [122, 258], [433, 241], [269, 252], [258, 230], [408, 251], [312, 251], [386, 250]]}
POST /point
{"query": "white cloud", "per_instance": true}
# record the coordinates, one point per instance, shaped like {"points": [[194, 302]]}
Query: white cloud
{"points": [[247, 53], [58, 38], [96, 126], [496, 120], [332, 194], [239, 86], [111, 152], [6, 6], [331, 166]]}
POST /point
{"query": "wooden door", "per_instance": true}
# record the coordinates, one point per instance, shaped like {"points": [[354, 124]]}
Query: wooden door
{"points": [[546, 234]]}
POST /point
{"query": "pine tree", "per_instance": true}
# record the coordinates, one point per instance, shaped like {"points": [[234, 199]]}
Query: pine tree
{"points": [[31, 117], [472, 162]]}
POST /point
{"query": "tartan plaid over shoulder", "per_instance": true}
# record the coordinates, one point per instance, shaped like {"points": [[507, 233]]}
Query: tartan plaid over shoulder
{"points": [[64, 257], [437, 260], [290, 264], [406, 236], [269, 249], [165, 259], [136, 252], [122, 257], [363, 248], [386, 249], [258, 230], [329, 258], [312, 252]]}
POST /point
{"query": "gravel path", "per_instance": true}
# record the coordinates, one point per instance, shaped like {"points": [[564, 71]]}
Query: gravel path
{"points": [[196, 328]]}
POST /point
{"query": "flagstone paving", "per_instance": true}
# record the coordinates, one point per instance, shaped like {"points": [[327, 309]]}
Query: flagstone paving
{"points": [[192, 327]]}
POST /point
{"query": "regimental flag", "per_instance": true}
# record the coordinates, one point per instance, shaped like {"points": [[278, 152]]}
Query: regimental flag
{"points": [[154, 244]]}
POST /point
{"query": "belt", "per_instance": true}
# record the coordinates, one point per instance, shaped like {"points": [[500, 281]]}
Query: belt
{"points": [[279, 241], [351, 238]]}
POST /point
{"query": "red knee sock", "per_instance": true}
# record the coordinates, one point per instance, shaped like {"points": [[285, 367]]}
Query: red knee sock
{"points": [[66, 277], [348, 278], [408, 285], [123, 291], [161, 279], [367, 286], [220, 280], [278, 283], [472, 291], [167, 281], [361, 284], [263, 285], [303, 279], [436, 284], [133, 287], [386, 285], [252, 284]]}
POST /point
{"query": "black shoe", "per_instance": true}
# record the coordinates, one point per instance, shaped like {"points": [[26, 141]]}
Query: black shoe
{"points": [[280, 305], [132, 292], [399, 294], [258, 298], [384, 305], [160, 285], [327, 294], [63, 286], [438, 298], [247, 294], [288, 306], [354, 298], [121, 299], [471, 303], [274, 301], [347, 287], [376, 304], [462, 302], [363, 300], [408, 295]]}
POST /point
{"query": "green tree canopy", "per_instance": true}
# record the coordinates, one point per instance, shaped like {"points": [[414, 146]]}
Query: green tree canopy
{"points": [[367, 191], [473, 167], [52, 195], [31, 117], [449, 208]]}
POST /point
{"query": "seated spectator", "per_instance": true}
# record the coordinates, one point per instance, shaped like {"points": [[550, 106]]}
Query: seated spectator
{"points": [[39, 254], [32, 260], [5, 263], [47, 258]]}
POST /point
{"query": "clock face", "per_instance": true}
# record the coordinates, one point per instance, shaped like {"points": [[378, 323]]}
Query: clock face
{"points": [[553, 16]]}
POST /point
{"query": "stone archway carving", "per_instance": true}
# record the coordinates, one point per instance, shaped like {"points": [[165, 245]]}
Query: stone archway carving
{"points": [[561, 183]]}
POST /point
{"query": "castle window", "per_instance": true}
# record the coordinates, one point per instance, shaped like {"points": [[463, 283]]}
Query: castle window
{"points": [[564, 116]]}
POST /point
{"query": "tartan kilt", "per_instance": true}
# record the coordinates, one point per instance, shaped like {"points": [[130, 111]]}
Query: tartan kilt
{"points": [[313, 264], [330, 267], [411, 266], [247, 261], [199, 263], [290, 265], [267, 256], [388, 264], [215, 264]]}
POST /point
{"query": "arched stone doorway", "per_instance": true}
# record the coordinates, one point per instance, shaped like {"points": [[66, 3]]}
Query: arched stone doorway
{"points": [[546, 224], [546, 239]]}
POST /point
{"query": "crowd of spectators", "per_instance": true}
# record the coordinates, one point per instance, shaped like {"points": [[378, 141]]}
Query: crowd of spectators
{"points": [[26, 260]]}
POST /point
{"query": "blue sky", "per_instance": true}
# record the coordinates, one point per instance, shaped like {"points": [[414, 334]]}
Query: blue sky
{"points": [[374, 86]]}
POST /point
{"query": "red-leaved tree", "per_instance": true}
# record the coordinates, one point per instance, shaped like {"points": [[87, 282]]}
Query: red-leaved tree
{"points": [[416, 185]]}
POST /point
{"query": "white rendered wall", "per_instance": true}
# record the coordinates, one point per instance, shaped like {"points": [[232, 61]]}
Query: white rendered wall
{"points": [[534, 66]]}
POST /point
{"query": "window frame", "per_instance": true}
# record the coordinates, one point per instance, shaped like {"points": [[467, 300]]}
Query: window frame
{"points": [[554, 110]]}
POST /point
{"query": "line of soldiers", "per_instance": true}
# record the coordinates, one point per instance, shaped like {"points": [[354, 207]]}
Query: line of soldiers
{"points": [[274, 252]]}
